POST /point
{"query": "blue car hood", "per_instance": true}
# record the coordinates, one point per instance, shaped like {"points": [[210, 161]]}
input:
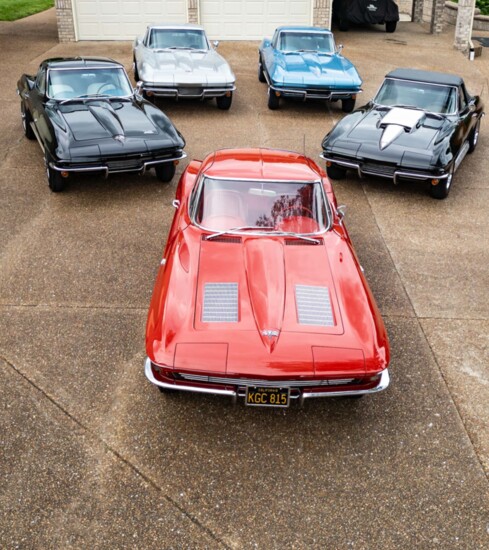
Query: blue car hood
{"points": [[311, 69]]}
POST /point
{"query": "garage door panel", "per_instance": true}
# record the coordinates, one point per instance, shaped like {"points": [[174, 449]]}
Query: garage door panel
{"points": [[251, 19], [124, 19]]}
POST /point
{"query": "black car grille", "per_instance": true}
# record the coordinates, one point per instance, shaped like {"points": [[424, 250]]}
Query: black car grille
{"points": [[128, 164], [381, 169]]}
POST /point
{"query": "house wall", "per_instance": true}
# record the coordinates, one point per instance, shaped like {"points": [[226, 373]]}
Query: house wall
{"points": [[66, 25]]}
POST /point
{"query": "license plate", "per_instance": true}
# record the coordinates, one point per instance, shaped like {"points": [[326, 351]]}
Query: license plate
{"points": [[267, 397]]}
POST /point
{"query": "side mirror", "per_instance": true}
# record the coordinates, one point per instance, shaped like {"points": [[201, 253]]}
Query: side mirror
{"points": [[138, 41], [138, 88], [341, 211], [215, 43], [339, 48]]}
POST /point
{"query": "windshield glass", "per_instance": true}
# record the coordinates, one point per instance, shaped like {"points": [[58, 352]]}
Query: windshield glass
{"points": [[308, 41], [430, 97], [193, 39], [70, 83], [296, 207]]}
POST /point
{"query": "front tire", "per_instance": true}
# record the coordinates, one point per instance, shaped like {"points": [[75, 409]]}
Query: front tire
{"points": [[224, 101], [273, 100], [474, 137], [261, 74], [335, 172], [390, 26], [165, 172], [26, 122], [55, 181], [442, 190], [347, 105]]}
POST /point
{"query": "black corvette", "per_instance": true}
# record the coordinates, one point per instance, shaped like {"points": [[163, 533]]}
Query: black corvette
{"points": [[419, 127], [87, 118]]}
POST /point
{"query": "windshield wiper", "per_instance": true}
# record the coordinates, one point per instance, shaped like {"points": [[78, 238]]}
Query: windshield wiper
{"points": [[241, 228], [85, 96], [296, 236]]}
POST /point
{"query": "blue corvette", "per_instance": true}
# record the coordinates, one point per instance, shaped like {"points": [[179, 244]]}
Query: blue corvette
{"points": [[304, 63]]}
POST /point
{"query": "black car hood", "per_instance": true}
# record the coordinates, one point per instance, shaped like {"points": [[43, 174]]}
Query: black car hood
{"points": [[107, 119], [371, 137]]}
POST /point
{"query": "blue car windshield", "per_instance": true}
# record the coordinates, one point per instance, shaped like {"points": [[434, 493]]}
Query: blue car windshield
{"points": [[72, 83], [306, 41], [191, 39], [297, 207], [434, 98]]}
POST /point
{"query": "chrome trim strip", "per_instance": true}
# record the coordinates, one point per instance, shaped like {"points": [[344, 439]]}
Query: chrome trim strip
{"points": [[38, 137], [150, 376], [328, 94], [397, 174], [107, 171], [382, 385], [245, 382], [461, 154], [173, 92]]}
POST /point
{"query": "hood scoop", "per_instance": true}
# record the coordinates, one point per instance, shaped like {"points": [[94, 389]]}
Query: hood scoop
{"points": [[314, 306], [222, 239], [220, 303], [397, 121]]}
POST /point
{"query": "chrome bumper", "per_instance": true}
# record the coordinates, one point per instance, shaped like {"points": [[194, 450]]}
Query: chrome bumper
{"points": [[175, 93], [241, 391], [106, 170], [422, 176], [304, 94]]}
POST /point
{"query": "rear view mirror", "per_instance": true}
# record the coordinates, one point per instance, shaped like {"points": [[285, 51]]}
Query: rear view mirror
{"points": [[216, 43], [339, 48], [341, 210]]}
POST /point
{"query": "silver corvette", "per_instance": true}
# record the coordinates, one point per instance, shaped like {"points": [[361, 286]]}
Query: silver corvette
{"points": [[178, 61]]}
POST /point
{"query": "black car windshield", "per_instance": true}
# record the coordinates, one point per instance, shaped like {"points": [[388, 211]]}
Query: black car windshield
{"points": [[291, 207], [86, 82], [306, 41], [192, 39], [430, 97]]}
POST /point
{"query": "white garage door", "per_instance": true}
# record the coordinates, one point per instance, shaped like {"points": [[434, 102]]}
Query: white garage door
{"points": [[124, 19], [251, 19]]}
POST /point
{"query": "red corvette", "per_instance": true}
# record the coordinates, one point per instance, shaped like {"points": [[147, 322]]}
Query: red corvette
{"points": [[260, 294]]}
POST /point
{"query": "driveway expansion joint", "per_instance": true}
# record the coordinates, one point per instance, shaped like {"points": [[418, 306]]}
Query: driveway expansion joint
{"points": [[117, 454]]}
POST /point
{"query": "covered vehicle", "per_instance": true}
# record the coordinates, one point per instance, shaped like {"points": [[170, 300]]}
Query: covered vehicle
{"points": [[372, 12], [87, 118], [177, 61], [304, 63], [418, 127], [259, 293]]}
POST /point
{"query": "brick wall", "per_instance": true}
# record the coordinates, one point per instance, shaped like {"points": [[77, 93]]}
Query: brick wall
{"points": [[64, 17], [322, 12]]}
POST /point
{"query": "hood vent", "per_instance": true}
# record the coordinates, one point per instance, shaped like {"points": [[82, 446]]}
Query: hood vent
{"points": [[223, 239], [220, 303], [314, 306], [302, 242]]}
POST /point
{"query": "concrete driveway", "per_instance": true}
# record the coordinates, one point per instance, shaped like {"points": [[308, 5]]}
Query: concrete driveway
{"points": [[92, 456]]}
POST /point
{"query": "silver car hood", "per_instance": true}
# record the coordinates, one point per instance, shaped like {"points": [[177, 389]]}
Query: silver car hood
{"points": [[189, 67]]}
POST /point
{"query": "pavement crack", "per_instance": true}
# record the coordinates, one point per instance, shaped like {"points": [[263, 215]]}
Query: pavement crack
{"points": [[418, 319], [146, 478]]}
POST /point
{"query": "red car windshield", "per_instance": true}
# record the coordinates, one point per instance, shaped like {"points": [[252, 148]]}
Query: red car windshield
{"points": [[292, 207]]}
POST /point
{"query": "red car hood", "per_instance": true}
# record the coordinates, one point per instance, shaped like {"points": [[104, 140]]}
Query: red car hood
{"points": [[265, 307]]}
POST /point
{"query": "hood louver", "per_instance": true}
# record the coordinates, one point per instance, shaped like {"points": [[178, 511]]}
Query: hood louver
{"points": [[314, 306], [220, 303]]}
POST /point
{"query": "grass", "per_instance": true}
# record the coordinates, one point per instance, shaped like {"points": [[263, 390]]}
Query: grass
{"points": [[10, 10]]}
